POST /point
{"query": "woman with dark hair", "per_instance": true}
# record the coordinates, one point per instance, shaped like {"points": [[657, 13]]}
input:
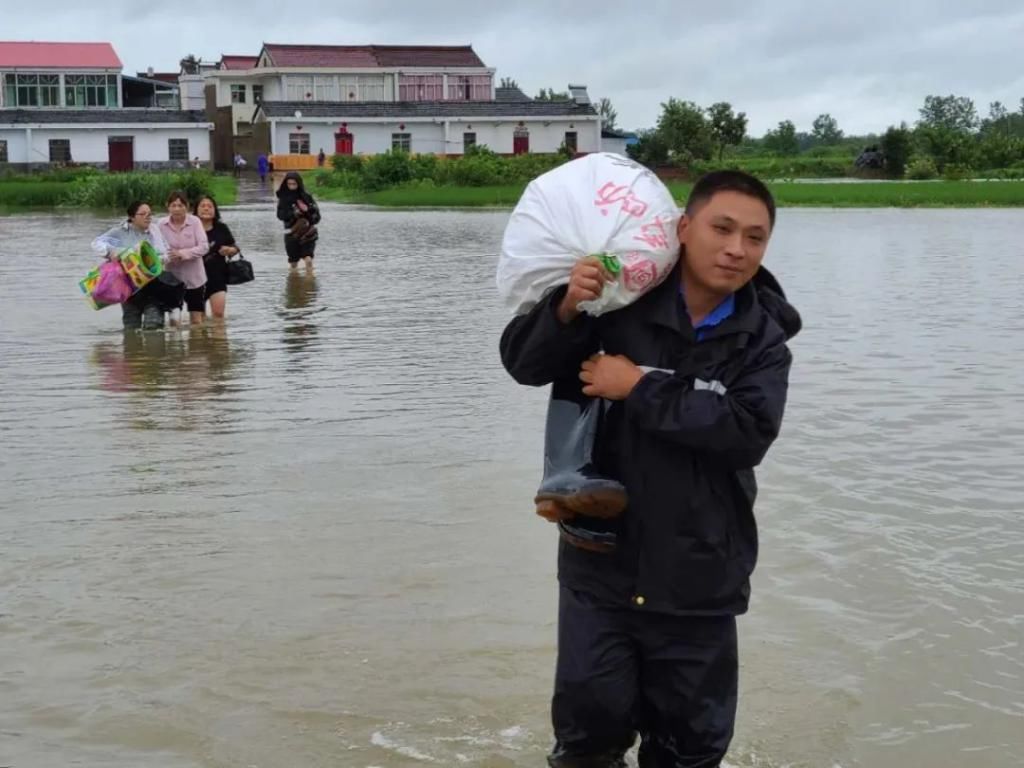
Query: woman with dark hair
{"points": [[222, 247], [300, 214], [143, 309], [186, 246]]}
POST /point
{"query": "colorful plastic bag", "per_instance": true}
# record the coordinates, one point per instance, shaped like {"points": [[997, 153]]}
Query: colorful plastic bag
{"points": [[88, 284], [113, 286], [601, 205]]}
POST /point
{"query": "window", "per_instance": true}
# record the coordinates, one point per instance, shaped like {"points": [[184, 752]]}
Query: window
{"points": [[401, 141], [299, 88], [32, 90], [323, 89], [90, 90], [257, 94], [468, 140], [3, 151], [177, 149], [298, 143], [469, 87], [238, 94], [570, 141], [60, 150], [420, 87]]}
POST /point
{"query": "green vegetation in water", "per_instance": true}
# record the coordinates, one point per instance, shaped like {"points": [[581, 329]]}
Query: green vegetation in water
{"points": [[936, 194], [89, 188]]}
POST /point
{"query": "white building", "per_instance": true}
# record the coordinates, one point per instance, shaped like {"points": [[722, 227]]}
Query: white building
{"points": [[297, 100], [70, 103]]}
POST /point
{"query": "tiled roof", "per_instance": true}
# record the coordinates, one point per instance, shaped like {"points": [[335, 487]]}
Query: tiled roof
{"points": [[238, 62], [510, 94], [336, 109], [58, 55], [100, 116], [372, 56]]}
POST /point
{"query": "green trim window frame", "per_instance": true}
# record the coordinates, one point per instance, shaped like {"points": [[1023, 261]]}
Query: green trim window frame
{"points": [[31, 90], [90, 91]]}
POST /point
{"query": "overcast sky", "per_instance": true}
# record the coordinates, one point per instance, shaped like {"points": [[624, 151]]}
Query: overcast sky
{"points": [[869, 63]]}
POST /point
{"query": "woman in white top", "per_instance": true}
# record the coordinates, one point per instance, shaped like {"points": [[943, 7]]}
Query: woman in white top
{"points": [[143, 309]]}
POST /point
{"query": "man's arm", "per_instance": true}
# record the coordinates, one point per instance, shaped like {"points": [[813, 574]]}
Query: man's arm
{"points": [[738, 424], [537, 348]]}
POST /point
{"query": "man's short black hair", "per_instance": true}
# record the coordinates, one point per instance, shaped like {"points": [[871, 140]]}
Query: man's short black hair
{"points": [[712, 183]]}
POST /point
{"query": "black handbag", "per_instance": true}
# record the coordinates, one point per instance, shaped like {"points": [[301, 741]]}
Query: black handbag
{"points": [[239, 270]]}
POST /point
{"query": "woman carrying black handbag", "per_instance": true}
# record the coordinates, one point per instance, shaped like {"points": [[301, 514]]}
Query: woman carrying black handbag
{"points": [[222, 248]]}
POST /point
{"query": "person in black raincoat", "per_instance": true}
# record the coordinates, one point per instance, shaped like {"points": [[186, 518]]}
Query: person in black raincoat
{"points": [[696, 373], [300, 214]]}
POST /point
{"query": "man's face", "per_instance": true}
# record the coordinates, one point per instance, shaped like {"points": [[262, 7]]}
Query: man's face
{"points": [[725, 241]]}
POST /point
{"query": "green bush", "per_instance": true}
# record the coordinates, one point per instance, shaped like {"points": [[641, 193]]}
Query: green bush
{"points": [[921, 168], [19, 192], [957, 172], [347, 163], [386, 170], [117, 190]]}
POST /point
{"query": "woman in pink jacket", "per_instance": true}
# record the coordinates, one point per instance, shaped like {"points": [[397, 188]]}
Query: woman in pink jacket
{"points": [[186, 245]]}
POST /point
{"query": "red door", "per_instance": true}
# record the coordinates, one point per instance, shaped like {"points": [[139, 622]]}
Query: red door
{"points": [[343, 143], [520, 143], [120, 154]]}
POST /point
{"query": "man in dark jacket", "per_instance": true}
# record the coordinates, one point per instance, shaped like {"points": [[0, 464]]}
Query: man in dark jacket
{"points": [[696, 373]]}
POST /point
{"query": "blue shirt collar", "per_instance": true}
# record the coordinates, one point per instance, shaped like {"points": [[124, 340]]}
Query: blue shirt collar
{"points": [[720, 313], [726, 307]]}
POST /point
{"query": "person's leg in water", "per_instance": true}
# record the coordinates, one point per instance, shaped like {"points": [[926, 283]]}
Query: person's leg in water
{"points": [[294, 250]]}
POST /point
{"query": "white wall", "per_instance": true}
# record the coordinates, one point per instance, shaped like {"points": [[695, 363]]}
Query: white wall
{"points": [[368, 138], [428, 137], [191, 90], [15, 145], [616, 146], [545, 135], [89, 145]]}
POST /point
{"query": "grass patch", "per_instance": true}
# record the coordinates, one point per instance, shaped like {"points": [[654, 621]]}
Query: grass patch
{"points": [[429, 196], [111, 191], [938, 194]]}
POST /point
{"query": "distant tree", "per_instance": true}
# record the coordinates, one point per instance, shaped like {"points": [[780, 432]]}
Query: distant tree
{"points": [[549, 94], [608, 113], [952, 113], [685, 131], [826, 130], [508, 82], [650, 148], [727, 128], [897, 145], [783, 140]]}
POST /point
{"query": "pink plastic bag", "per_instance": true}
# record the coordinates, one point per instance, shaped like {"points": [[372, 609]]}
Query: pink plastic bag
{"points": [[114, 286]]}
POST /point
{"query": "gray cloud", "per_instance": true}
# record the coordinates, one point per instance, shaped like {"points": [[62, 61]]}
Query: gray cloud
{"points": [[869, 63]]}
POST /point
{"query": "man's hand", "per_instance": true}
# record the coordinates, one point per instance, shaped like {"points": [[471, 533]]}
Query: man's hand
{"points": [[226, 250], [586, 282], [609, 376]]}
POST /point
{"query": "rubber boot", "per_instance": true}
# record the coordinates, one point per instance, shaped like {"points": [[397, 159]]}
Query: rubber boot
{"points": [[570, 479]]}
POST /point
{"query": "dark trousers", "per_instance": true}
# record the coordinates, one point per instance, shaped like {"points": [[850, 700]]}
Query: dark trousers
{"points": [[624, 671]]}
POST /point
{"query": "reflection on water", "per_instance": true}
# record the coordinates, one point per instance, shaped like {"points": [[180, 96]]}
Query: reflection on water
{"points": [[166, 375], [305, 537], [299, 314]]}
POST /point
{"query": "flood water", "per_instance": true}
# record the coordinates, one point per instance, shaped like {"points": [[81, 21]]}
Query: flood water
{"points": [[305, 538]]}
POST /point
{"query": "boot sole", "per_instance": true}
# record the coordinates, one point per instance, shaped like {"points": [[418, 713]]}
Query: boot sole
{"points": [[605, 503]]}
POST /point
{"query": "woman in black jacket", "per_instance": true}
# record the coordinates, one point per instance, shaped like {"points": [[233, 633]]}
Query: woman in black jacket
{"points": [[300, 214]]}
